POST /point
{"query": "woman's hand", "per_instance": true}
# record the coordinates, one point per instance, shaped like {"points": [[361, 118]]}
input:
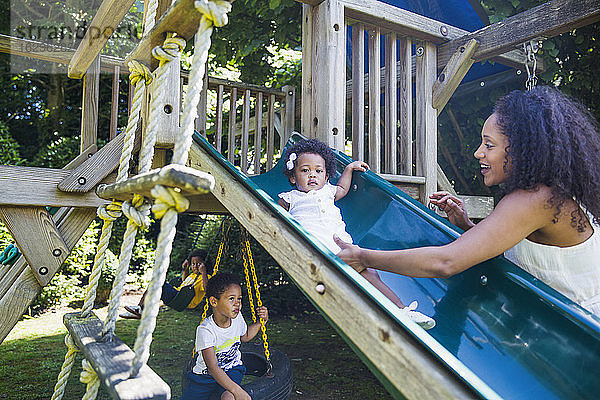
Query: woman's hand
{"points": [[453, 207], [350, 254]]}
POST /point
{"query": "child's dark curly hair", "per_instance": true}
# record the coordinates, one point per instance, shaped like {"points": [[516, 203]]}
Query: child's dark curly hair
{"points": [[203, 254], [219, 283], [554, 141], [310, 146]]}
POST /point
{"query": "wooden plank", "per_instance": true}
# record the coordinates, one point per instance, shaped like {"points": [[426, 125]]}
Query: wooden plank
{"points": [[111, 360], [114, 103], [33, 186], [167, 105], [19, 287], [311, 2], [453, 73], [105, 21], [95, 167], [38, 239], [306, 118], [200, 122], [219, 119], [190, 182], [329, 74], [391, 104], [374, 101], [245, 132], [213, 83], [401, 361], [181, 17], [546, 20], [290, 107], [393, 19], [258, 107], [232, 118], [417, 180], [358, 92], [51, 52], [426, 119], [89, 107], [82, 157], [271, 131], [405, 106]]}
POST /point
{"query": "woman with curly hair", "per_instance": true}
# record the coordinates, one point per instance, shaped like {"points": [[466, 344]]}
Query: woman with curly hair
{"points": [[544, 150]]}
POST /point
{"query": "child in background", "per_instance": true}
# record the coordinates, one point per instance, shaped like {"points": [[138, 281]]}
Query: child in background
{"points": [[218, 366], [309, 164], [194, 273]]}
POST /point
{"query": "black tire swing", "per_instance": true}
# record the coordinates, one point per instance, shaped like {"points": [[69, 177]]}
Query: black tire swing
{"points": [[271, 366]]}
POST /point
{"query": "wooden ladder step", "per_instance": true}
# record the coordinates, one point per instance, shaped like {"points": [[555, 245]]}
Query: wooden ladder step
{"points": [[111, 359], [195, 185]]}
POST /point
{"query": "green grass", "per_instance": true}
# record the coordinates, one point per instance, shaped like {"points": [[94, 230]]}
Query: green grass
{"points": [[324, 366]]}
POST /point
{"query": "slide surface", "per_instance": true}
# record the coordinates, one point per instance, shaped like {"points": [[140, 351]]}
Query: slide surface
{"points": [[513, 333]]}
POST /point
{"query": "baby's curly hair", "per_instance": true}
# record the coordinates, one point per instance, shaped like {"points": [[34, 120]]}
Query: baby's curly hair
{"points": [[313, 146], [554, 141]]}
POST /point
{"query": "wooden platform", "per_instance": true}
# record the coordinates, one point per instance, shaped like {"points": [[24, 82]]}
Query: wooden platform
{"points": [[111, 359]]}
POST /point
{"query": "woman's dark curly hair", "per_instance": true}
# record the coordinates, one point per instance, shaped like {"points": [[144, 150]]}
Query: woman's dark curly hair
{"points": [[554, 141], [313, 146], [217, 285]]}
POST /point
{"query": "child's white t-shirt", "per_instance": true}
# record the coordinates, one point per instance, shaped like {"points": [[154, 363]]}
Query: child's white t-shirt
{"points": [[226, 342], [317, 213]]}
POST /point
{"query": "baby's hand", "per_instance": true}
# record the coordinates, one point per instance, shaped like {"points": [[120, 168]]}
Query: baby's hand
{"points": [[358, 166], [263, 313]]}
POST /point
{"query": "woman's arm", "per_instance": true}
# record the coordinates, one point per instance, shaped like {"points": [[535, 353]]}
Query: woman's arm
{"points": [[253, 329], [515, 217], [185, 266], [210, 359], [343, 184]]}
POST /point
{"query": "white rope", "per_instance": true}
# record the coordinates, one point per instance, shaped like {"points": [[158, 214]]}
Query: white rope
{"points": [[168, 203], [65, 371], [138, 213], [214, 13], [169, 51], [109, 213], [150, 19], [90, 378]]}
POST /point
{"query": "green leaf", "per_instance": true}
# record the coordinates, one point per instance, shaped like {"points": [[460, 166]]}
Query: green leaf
{"points": [[273, 4]]}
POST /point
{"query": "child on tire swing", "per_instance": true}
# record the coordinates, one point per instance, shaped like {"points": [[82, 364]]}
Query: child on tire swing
{"points": [[309, 165], [218, 366], [196, 277]]}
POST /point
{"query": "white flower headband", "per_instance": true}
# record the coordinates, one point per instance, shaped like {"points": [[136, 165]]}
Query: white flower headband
{"points": [[290, 162]]}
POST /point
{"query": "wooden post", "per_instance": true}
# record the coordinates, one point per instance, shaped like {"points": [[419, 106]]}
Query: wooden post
{"points": [[245, 132], [258, 113], [201, 120], [270, 131], [232, 115], [374, 100], [426, 118], [114, 106], [405, 106], [219, 119], [167, 108], [290, 109], [329, 74], [89, 107], [358, 92], [306, 121], [391, 104]]}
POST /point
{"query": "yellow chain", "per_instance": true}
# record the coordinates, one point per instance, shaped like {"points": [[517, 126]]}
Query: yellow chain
{"points": [[249, 287], [215, 269], [258, 300]]}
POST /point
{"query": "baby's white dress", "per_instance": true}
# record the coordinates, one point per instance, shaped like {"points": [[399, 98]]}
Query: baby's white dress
{"points": [[573, 271], [318, 214]]}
